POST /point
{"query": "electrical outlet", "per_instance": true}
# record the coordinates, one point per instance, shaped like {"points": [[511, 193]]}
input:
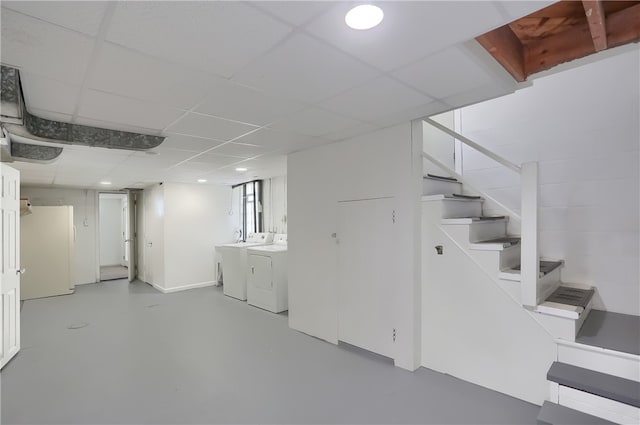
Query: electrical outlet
{"points": [[85, 223]]}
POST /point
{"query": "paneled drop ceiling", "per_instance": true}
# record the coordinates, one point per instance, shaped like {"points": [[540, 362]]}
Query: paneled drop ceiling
{"points": [[239, 84]]}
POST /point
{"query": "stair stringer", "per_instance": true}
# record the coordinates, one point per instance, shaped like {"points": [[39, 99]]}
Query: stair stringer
{"points": [[472, 328]]}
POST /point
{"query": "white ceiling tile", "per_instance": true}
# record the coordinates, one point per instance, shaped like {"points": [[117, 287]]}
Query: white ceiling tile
{"points": [[240, 103], [82, 16], [305, 69], [409, 31], [315, 122], [118, 109], [375, 99], [116, 126], [421, 111], [478, 94], [188, 143], [280, 140], [194, 124], [294, 12], [162, 161], [350, 132], [125, 72], [221, 37], [45, 93], [444, 74], [239, 150], [212, 161], [49, 115], [44, 48]]}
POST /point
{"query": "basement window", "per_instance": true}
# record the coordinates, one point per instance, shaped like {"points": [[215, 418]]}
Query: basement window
{"points": [[251, 207]]}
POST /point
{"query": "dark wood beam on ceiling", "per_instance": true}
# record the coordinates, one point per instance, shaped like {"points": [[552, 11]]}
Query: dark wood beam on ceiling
{"points": [[624, 26], [566, 46], [597, 23], [507, 49]]}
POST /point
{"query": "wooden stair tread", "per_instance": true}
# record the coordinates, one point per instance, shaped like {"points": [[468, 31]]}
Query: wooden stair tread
{"points": [[597, 383], [613, 331]]}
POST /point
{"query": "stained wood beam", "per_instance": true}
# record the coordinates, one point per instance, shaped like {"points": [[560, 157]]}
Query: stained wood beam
{"points": [[597, 23], [566, 46], [507, 49], [624, 26]]}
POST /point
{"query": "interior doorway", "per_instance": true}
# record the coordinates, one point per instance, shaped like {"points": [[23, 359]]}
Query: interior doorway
{"points": [[113, 218]]}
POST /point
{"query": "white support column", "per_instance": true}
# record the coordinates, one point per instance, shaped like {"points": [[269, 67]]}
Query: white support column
{"points": [[530, 259]]}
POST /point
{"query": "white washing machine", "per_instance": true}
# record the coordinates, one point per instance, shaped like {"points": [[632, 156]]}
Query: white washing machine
{"points": [[267, 285], [234, 264]]}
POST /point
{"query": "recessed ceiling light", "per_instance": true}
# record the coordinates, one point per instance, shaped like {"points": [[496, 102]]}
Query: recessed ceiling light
{"points": [[241, 169], [364, 17], [202, 180], [106, 183]]}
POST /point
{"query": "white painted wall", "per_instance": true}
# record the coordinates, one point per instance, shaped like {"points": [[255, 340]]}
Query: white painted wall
{"points": [[197, 219], [385, 163], [582, 125], [84, 211], [183, 223], [275, 204], [110, 231]]}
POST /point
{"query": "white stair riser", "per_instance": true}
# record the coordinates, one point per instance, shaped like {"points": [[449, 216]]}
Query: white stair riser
{"points": [[484, 231], [562, 327], [465, 234], [494, 261], [455, 209], [611, 362], [435, 187], [601, 407], [548, 283]]}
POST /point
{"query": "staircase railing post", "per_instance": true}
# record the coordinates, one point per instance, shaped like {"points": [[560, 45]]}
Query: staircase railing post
{"points": [[530, 259]]}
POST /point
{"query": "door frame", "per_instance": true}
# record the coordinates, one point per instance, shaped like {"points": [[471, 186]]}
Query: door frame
{"points": [[97, 218]]}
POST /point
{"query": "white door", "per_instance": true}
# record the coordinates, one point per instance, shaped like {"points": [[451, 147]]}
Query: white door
{"points": [[366, 272], [10, 267]]}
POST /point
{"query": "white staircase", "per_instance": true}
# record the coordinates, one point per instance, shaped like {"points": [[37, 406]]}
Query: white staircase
{"points": [[587, 384]]}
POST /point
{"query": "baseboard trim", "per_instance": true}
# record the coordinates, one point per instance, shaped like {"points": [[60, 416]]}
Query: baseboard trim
{"points": [[183, 287]]}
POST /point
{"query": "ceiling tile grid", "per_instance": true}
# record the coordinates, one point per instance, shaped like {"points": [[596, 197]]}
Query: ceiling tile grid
{"points": [[48, 94], [44, 49], [220, 37], [117, 109], [81, 16], [306, 69], [238, 82], [128, 73], [234, 101], [207, 126], [426, 27]]}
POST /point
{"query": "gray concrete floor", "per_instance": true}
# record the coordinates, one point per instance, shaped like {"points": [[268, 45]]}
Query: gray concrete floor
{"points": [[113, 272], [125, 353]]}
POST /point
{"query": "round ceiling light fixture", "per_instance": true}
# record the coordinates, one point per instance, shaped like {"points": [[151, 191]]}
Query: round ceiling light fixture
{"points": [[105, 183], [364, 17], [241, 169], [202, 180]]}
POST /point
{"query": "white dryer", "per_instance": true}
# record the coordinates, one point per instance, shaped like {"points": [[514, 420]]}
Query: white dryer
{"points": [[267, 285], [234, 264]]}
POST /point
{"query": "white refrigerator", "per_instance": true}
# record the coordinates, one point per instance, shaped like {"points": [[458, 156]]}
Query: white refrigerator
{"points": [[46, 251]]}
